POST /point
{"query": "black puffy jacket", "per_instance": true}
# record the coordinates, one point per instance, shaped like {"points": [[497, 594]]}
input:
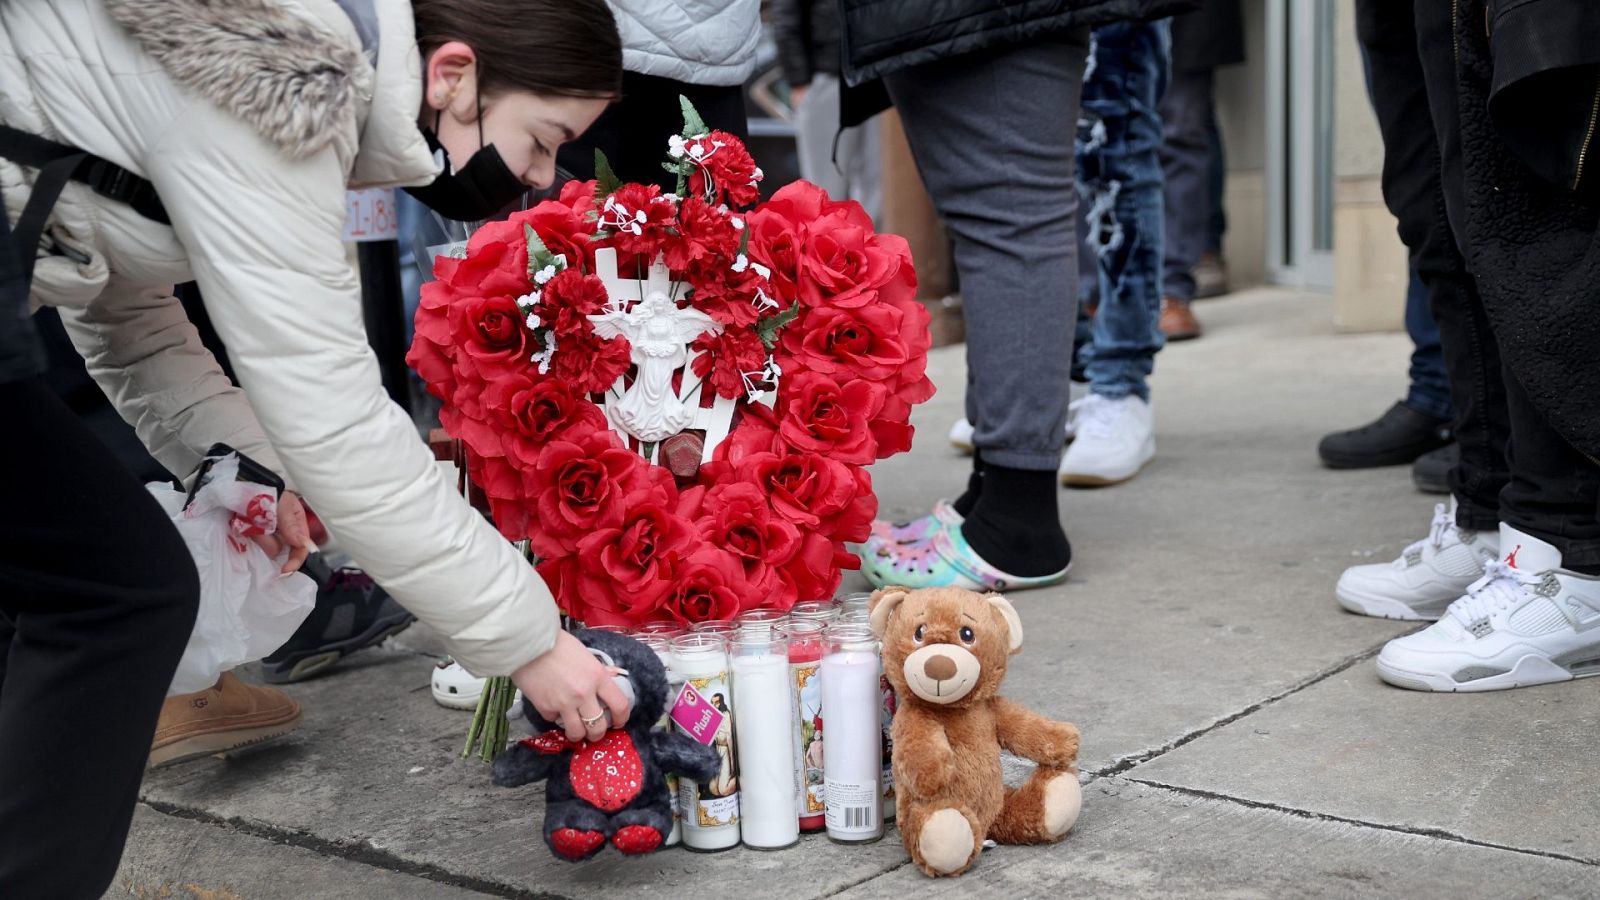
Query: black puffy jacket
{"points": [[807, 35], [883, 36]]}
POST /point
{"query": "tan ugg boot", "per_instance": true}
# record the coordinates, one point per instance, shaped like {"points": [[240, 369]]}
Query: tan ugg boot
{"points": [[226, 716]]}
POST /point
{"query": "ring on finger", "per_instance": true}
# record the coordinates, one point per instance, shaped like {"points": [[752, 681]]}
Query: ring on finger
{"points": [[593, 720]]}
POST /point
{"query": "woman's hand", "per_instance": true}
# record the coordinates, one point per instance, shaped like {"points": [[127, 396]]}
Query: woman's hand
{"points": [[570, 687], [293, 534]]}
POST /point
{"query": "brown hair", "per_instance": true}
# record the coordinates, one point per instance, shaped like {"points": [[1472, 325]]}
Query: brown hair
{"points": [[565, 48]]}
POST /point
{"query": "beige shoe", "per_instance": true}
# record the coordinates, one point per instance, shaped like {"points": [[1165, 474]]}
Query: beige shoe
{"points": [[226, 716]]}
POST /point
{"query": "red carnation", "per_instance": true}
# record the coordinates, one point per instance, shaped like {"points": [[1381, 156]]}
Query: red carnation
{"points": [[724, 171], [733, 298], [568, 299], [590, 363], [638, 218], [728, 358], [706, 235], [818, 415]]}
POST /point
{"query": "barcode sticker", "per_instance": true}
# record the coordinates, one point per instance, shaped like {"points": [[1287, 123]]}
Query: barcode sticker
{"points": [[854, 807]]}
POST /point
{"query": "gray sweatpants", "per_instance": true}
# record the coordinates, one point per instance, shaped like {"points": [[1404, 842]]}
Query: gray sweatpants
{"points": [[992, 133]]}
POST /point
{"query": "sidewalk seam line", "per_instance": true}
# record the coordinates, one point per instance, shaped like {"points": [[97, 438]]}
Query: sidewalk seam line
{"points": [[870, 878], [1136, 759], [358, 852], [1417, 831]]}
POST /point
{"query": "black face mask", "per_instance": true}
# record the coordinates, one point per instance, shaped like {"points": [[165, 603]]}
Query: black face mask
{"points": [[478, 190]]}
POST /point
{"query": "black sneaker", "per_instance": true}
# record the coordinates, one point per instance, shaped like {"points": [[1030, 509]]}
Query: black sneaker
{"points": [[1431, 472], [1397, 437], [352, 613]]}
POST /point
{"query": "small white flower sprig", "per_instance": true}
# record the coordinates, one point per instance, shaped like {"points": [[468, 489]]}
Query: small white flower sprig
{"points": [[542, 266]]}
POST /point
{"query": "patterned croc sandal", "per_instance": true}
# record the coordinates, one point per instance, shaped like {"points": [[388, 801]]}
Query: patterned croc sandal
{"points": [[921, 528], [944, 559]]}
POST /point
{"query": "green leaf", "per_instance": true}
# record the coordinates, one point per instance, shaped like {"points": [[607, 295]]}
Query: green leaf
{"points": [[767, 329], [539, 255], [693, 125], [606, 180]]}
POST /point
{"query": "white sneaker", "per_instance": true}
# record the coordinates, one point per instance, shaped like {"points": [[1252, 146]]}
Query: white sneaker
{"points": [[455, 687], [1524, 622], [1115, 439], [961, 436], [1427, 577], [961, 432]]}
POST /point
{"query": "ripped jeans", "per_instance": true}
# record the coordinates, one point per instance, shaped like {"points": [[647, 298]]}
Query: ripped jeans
{"points": [[1120, 196]]}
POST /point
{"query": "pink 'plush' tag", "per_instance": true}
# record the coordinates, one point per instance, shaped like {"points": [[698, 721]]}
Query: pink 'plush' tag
{"points": [[695, 715]]}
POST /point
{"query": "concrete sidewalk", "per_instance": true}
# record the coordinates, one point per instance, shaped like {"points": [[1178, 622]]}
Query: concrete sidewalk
{"points": [[1236, 741]]}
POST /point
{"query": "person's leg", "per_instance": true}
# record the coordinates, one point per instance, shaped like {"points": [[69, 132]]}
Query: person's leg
{"points": [[1119, 177], [1216, 182], [1429, 392], [816, 121], [1013, 230], [1406, 101], [1185, 161], [864, 166], [101, 593]]}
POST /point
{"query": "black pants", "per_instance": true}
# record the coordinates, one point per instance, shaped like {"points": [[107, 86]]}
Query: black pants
{"points": [[633, 131], [97, 597], [1514, 467]]}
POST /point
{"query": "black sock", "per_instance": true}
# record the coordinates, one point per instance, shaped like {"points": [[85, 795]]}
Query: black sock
{"points": [[1015, 525], [967, 501]]}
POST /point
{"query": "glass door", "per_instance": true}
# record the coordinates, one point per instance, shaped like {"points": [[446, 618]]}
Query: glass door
{"points": [[1300, 148]]}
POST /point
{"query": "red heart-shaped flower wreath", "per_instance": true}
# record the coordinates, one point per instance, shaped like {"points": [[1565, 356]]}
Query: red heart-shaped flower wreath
{"points": [[800, 317]]}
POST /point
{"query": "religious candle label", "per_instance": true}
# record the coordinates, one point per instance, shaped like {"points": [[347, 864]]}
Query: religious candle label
{"points": [[702, 712], [808, 704], [696, 715]]}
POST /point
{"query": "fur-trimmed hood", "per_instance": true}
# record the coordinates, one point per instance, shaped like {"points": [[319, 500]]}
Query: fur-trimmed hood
{"points": [[297, 73], [295, 80]]}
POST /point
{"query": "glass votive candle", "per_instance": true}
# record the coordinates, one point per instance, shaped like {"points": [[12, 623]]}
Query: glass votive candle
{"points": [[763, 711], [852, 602], [817, 610], [719, 628], [806, 646], [668, 630], [760, 621], [853, 765], [710, 810]]}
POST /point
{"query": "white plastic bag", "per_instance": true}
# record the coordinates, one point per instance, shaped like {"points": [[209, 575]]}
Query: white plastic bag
{"points": [[246, 609]]}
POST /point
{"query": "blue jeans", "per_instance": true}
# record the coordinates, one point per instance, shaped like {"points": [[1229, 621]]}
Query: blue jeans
{"points": [[1429, 393], [1120, 191]]}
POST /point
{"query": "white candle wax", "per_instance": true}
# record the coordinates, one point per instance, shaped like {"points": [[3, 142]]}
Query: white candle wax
{"points": [[710, 811], [853, 762], [764, 721], [674, 683]]}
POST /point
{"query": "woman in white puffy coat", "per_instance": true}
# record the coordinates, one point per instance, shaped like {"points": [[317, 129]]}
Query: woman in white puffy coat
{"points": [[250, 119]]}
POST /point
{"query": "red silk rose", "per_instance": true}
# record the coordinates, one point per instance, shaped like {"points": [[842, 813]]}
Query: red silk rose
{"points": [[815, 311]]}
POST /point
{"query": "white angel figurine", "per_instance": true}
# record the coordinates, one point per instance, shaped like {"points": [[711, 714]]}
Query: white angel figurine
{"points": [[659, 333]]}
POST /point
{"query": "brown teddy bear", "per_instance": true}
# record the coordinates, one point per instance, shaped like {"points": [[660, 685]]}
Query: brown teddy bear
{"points": [[945, 651]]}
